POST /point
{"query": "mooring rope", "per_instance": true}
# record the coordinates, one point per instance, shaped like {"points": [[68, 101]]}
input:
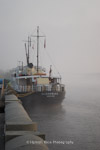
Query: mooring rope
{"points": [[18, 95]]}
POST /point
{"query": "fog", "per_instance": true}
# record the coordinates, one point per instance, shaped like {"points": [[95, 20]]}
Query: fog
{"points": [[71, 28]]}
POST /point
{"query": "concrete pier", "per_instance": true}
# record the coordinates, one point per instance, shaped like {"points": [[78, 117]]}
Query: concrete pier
{"points": [[16, 118], [26, 142], [12, 134], [20, 131], [2, 136]]}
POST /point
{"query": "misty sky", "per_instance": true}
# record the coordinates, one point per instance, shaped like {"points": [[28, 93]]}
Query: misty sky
{"points": [[72, 29]]}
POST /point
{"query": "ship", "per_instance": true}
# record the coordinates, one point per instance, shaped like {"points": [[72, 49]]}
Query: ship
{"points": [[31, 82]]}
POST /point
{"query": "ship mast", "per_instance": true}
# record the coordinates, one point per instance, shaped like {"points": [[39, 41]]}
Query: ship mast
{"points": [[27, 51], [37, 48], [38, 36]]}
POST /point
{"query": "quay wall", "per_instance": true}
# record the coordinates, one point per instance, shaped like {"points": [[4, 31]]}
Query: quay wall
{"points": [[21, 132]]}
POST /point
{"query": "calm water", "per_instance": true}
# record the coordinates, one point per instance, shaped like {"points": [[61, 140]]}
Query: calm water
{"points": [[76, 120]]}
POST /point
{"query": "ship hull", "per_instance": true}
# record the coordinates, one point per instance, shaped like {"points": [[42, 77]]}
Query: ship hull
{"points": [[43, 98]]}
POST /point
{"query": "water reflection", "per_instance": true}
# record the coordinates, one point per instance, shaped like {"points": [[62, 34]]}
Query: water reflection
{"points": [[49, 110]]}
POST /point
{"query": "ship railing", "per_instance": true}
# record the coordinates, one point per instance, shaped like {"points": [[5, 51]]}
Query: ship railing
{"points": [[40, 88], [58, 88], [24, 88], [43, 88]]}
